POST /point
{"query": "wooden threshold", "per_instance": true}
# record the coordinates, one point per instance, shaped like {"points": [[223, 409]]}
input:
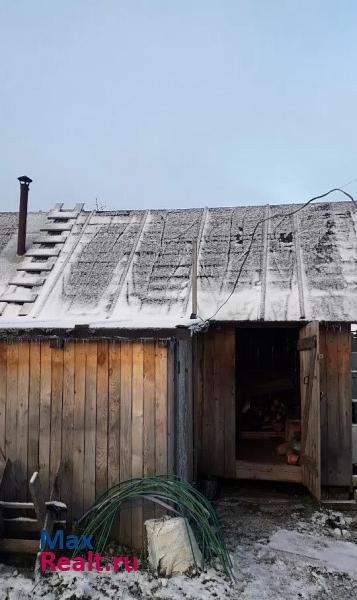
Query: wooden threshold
{"points": [[340, 505], [268, 471], [261, 435]]}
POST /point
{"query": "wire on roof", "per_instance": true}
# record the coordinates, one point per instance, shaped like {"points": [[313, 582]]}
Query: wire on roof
{"points": [[283, 216]]}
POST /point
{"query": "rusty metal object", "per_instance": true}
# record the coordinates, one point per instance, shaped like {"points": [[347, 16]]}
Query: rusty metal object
{"points": [[24, 193]]}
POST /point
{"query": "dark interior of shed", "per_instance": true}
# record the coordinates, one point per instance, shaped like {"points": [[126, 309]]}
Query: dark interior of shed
{"points": [[268, 396]]}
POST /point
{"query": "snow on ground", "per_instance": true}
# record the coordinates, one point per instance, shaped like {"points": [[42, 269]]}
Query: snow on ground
{"points": [[282, 548]]}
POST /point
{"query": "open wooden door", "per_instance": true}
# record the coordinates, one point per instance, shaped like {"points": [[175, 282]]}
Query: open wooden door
{"points": [[308, 347], [217, 403]]}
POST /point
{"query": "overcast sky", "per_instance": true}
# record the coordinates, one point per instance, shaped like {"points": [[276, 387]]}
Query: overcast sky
{"points": [[176, 103]]}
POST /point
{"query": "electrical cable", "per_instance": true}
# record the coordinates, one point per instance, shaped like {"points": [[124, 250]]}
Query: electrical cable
{"points": [[260, 222]]}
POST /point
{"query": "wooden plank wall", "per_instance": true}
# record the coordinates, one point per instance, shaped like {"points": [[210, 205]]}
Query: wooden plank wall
{"points": [[184, 461], [336, 404], [100, 406], [216, 411]]}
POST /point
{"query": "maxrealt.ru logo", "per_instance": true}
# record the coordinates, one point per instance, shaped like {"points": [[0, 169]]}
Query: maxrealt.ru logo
{"points": [[93, 560]]}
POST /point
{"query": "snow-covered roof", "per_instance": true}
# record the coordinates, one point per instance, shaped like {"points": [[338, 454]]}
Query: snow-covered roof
{"points": [[132, 268]]}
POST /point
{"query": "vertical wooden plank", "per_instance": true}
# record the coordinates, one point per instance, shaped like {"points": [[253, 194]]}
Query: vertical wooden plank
{"points": [[217, 384], [45, 417], [316, 429], [218, 395], [230, 424], [198, 401], [184, 410], [344, 423], [114, 414], [323, 406], [34, 408], [101, 479], [67, 425], [161, 409], [137, 438], [208, 430], [22, 414], [149, 408], [114, 445], [160, 414], [78, 428], [3, 368], [56, 411], [11, 393], [332, 403], [310, 397], [171, 409], [125, 409], [90, 420], [225, 382], [149, 419], [336, 429], [188, 411], [125, 433], [137, 409]]}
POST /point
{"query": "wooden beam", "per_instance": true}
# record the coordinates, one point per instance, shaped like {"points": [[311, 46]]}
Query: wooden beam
{"points": [[16, 526], [43, 252], [28, 281], [89, 333], [199, 241], [56, 486], [268, 471], [17, 505], [19, 546], [35, 267], [37, 498], [59, 227]]}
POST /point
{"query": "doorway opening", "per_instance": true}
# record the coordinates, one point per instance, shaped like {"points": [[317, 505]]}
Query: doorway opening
{"points": [[268, 404]]}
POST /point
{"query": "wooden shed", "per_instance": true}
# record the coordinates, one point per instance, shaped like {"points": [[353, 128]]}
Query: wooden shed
{"points": [[103, 365]]}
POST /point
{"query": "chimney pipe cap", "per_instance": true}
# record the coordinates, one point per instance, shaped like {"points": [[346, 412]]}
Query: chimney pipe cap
{"points": [[24, 179]]}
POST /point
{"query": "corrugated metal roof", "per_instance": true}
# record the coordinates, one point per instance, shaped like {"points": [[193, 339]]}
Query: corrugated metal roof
{"points": [[133, 268]]}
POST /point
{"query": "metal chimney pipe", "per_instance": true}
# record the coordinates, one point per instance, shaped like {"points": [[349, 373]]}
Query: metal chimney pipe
{"points": [[24, 194]]}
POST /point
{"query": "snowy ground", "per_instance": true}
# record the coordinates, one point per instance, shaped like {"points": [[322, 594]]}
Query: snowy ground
{"points": [[282, 547]]}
